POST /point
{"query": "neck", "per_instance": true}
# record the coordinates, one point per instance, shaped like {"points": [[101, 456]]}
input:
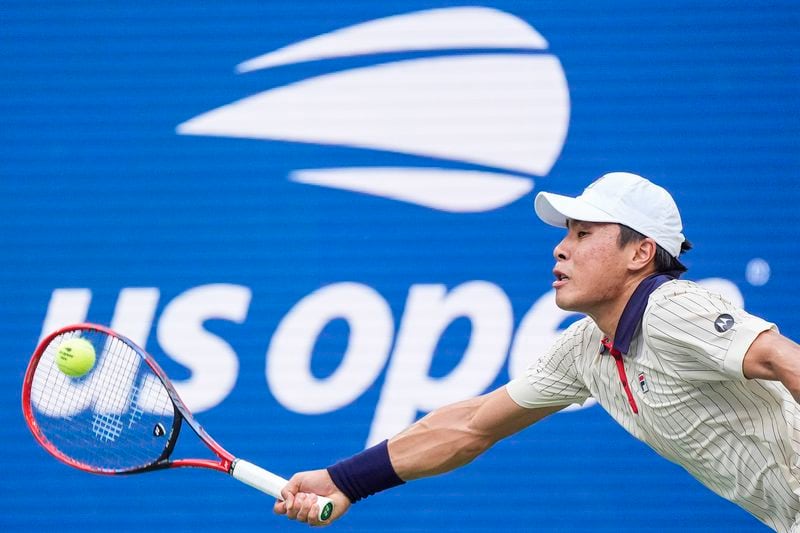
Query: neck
{"points": [[608, 315]]}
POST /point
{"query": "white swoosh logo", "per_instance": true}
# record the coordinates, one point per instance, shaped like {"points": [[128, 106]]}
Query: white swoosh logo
{"points": [[458, 191], [435, 29], [504, 111], [507, 111]]}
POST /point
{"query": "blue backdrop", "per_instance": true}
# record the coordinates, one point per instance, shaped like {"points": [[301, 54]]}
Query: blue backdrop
{"points": [[324, 243]]}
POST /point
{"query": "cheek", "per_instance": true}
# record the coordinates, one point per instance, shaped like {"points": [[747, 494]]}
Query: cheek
{"points": [[602, 269]]}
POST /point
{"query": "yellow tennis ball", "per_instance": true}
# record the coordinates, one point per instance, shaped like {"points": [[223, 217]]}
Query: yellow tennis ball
{"points": [[75, 357]]}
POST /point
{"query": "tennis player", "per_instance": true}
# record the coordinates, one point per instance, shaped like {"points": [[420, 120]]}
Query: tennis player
{"points": [[704, 383]]}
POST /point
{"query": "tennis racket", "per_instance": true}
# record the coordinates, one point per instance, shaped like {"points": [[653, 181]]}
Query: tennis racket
{"points": [[123, 416]]}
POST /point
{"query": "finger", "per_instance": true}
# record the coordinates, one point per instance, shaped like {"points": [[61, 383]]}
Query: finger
{"points": [[304, 504], [297, 506], [289, 491], [313, 515], [279, 507], [313, 510]]}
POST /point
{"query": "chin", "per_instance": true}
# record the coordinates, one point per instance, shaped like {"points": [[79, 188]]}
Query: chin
{"points": [[567, 304]]}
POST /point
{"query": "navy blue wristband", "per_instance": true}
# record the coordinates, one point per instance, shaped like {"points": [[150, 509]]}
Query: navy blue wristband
{"points": [[365, 473]]}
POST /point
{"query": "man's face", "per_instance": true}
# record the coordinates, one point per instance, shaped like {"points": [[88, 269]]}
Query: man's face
{"points": [[591, 268]]}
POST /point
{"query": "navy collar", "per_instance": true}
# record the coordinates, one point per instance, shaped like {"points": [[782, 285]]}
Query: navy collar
{"points": [[634, 309]]}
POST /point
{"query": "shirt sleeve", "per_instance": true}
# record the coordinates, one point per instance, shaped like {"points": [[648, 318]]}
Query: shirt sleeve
{"points": [[553, 379], [700, 334]]}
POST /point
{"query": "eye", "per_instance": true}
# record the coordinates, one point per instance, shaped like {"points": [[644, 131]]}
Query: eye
{"points": [[582, 234]]}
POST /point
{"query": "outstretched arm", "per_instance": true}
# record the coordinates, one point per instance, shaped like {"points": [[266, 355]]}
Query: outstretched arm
{"points": [[454, 435], [445, 439], [775, 357]]}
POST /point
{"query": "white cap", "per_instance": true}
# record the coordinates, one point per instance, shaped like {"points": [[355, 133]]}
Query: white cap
{"points": [[623, 198]]}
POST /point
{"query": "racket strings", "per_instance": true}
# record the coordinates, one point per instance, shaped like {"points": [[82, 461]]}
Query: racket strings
{"points": [[117, 417], [52, 393]]}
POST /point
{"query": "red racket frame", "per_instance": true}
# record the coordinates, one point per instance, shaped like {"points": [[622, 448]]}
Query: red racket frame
{"points": [[225, 463]]}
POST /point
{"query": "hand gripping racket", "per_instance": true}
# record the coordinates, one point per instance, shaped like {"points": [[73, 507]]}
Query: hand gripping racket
{"points": [[123, 416]]}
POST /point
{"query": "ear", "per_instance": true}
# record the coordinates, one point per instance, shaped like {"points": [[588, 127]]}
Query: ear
{"points": [[642, 254]]}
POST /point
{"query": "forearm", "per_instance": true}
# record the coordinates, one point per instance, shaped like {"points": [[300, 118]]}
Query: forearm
{"points": [[447, 438], [441, 441], [454, 435]]}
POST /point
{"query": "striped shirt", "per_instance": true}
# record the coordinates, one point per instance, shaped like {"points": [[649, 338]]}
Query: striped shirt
{"points": [[739, 437]]}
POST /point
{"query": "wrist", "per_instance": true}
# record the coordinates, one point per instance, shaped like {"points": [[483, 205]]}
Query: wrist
{"points": [[365, 473]]}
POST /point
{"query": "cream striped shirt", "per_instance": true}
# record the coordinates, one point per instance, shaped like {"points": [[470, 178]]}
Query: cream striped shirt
{"points": [[739, 437]]}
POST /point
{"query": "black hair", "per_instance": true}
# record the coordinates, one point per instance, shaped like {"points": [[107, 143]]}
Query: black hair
{"points": [[664, 262]]}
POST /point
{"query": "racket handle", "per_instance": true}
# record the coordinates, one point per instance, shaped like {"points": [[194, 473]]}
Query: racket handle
{"points": [[272, 484]]}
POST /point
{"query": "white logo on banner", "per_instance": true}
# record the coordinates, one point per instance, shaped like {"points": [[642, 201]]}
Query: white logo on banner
{"points": [[500, 102]]}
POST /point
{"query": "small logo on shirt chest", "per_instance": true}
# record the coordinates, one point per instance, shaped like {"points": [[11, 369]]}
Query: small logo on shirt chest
{"points": [[643, 382]]}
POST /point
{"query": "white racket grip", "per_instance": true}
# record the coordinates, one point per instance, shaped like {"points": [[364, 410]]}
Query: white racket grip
{"points": [[272, 484], [258, 478]]}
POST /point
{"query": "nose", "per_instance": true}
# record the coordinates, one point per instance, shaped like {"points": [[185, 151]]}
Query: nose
{"points": [[560, 251]]}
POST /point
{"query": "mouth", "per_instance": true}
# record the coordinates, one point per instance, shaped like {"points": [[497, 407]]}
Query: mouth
{"points": [[561, 279]]}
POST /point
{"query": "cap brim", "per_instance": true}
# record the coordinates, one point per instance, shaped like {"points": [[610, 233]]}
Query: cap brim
{"points": [[555, 209]]}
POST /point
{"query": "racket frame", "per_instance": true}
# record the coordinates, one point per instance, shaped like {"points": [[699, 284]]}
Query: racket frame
{"points": [[182, 414]]}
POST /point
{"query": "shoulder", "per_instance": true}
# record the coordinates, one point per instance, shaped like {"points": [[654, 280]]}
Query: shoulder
{"points": [[687, 312], [578, 336], [694, 328], [678, 295]]}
